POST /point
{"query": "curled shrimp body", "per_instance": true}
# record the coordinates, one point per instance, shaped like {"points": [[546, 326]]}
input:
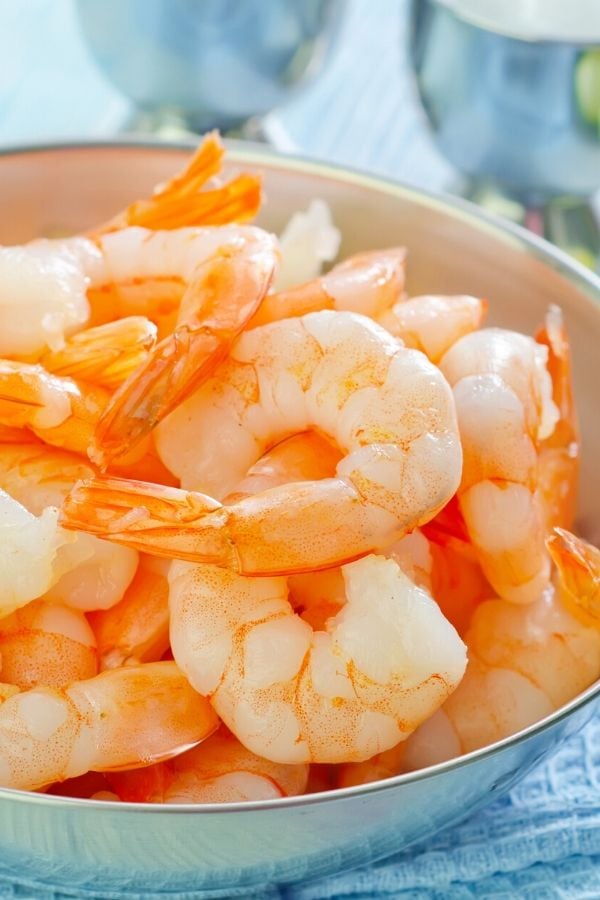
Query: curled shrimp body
{"points": [[119, 719], [503, 395], [219, 770], [94, 574], [384, 663], [524, 661], [388, 409], [322, 696]]}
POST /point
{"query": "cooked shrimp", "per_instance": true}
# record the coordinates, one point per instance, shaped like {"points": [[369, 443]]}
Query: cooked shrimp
{"points": [[382, 765], [372, 284], [433, 323], [503, 395], [136, 629], [47, 286], [524, 661], [558, 459], [30, 545], [224, 292], [46, 644], [294, 695], [368, 283], [387, 407], [105, 355], [219, 770], [64, 413], [95, 574], [120, 719]]}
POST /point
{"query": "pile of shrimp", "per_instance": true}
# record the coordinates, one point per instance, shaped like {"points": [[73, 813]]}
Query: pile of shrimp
{"points": [[268, 531]]}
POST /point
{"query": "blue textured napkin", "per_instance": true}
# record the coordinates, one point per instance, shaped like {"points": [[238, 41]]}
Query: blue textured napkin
{"points": [[540, 842]]}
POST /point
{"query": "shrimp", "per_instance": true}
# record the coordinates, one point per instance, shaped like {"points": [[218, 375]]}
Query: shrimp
{"points": [[90, 573], [372, 284], [120, 719], [524, 660], [136, 629], [291, 694], [224, 292], [30, 545], [386, 406], [558, 459], [219, 770], [50, 289], [433, 323], [46, 644], [367, 283], [503, 395], [64, 413]]}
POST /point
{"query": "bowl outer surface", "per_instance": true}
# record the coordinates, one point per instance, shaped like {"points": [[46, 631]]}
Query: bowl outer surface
{"points": [[453, 249]]}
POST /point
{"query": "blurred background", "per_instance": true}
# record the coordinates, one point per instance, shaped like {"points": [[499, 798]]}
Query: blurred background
{"points": [[499, 101]]}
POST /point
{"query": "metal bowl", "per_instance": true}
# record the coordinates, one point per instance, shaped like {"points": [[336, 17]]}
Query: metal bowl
{"points": [[454, 247]]}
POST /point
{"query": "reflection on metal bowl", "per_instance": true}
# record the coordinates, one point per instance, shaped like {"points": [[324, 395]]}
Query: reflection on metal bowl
{"points": [[453, 248]]}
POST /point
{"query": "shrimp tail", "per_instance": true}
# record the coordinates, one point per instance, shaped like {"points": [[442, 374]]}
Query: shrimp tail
{"points": [[578, 565], [217, 306], [182, 200], [106, 354], [161, 520]]}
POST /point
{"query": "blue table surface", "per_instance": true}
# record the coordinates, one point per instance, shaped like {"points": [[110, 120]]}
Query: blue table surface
{"points": [[368, 118]]}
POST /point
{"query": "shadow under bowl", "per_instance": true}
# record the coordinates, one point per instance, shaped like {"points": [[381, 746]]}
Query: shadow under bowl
{"points": [[100, 847]]}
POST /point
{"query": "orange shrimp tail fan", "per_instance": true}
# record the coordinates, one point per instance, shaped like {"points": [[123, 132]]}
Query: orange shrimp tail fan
{"points": [[578, 565], [186, 201]]}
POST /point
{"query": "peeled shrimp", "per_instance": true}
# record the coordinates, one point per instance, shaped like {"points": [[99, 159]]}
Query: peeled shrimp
{"points": [[46, 644], [372, 284], [387, 660], [28, 562], [46, 286], [89, 572], [387, 407], [293, 694], [558, 457], [119, 719], [524, 661], [219, 770], [224, 290], [136, 629], [503, 395], [367, 283], [64, 413]]}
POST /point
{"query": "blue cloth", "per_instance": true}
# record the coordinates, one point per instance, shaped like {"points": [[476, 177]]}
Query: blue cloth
{"points": [[543, 840]]}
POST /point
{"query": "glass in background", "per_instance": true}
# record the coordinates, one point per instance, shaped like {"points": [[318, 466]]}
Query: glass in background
{"points": [[191, 65], [512, 92]]}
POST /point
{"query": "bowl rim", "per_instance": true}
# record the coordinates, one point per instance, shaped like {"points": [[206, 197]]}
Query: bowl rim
{"points": [[241, 152]]}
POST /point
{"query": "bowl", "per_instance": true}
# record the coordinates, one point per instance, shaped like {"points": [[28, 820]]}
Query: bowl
{"points": [[103, 847]]}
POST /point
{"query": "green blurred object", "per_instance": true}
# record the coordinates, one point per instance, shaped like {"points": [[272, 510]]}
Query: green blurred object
{"points": [[587, 86]]}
